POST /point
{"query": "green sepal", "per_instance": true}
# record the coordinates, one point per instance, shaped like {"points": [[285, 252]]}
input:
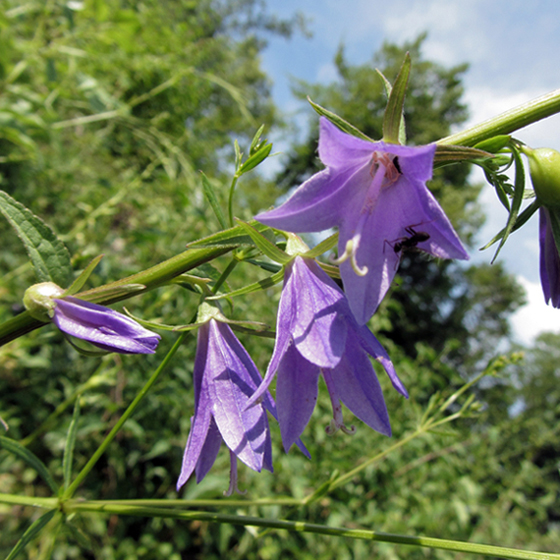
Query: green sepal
{"points": [[232, 237], [332, 270], [32, 531], [49, 256], [32, 460], [345, 126], [518, 192], [267, 247], [161, 326], [80, 281], [255, 287], [210, 194], [86, 351], [395, 105], [265, 333], [446, 154], [494, 144], [112, 292], [388, 89], [522, 219], [325, 245]]}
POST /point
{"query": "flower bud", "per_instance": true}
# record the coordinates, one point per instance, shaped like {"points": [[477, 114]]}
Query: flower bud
{"points": [[38, 300], [544, 164]]}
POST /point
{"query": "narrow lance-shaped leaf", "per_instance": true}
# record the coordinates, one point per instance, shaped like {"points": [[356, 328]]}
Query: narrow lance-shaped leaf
{"points": [[32, 460], [265, 245], [345, 126], [49, 256], [70, 442], [79, 283], [210, 194], [31, 533]]}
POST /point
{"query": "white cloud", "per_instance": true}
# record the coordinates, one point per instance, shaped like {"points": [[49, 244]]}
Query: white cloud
{"points": [[536, 316]]}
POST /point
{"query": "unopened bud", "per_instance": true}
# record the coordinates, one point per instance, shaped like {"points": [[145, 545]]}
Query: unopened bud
{"points": [[544, 164], [38, 300]]}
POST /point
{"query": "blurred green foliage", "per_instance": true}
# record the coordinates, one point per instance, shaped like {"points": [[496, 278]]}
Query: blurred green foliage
{"points": [[107, 112]]}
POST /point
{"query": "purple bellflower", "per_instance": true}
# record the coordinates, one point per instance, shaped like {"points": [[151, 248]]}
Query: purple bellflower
{"points": [[549, 260], [101, 326], [376, 194], [318, 335], [224, 379]]}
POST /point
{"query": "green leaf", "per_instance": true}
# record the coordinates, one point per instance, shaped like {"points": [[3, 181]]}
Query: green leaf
{"points": [[31, 533], [78, 284], [395, 106], [265, 245], [255, 287], [32, 460], [252, 162], [70, 442], [339, 122], [210, 194], [49, 256], [232, 237]]}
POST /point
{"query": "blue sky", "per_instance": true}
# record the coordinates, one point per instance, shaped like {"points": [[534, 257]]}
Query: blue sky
{"points": [[512, 47]]}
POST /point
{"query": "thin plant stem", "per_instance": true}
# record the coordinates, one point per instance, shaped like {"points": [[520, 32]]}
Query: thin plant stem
{"points": [[127, 413]]}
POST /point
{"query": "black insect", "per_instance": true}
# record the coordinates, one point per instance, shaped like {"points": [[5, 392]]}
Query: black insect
{"points": [[410, 242]]}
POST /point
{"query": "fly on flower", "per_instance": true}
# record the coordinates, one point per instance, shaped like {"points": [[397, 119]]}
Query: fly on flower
{"points": [[374, 192]]}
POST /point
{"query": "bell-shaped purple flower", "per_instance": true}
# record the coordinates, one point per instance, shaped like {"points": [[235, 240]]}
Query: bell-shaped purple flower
{"points": [[103, 327], [549, 260], [318, 335], [376, 194], [224, 379]]}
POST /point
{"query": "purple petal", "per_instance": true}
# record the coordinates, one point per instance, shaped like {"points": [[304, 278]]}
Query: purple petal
{"points": [[103, 327], [245, 431], [296, 395], [314, 301], [319, 203], [197, 436], [209, 451], [373, 347], [359, 389], [549, 260], [400, 208]]}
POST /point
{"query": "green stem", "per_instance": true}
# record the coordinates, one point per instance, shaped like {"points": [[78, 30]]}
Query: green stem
{"points": [[303, 527], [151, 278], [507, 122], [32, 501], [95, 457]]}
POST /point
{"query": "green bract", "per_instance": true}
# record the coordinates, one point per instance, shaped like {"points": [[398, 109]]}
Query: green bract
{"points": [[544, 164]]}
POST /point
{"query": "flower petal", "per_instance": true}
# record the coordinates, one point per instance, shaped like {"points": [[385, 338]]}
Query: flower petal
{"points": [[549, 260], [296, 395], [245, 431], [103, 327], [315, 303], [373, 347], [209, 451], [359, 389]]}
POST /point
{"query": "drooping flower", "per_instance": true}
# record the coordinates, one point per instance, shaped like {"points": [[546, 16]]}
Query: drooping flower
{"points": [[549, 260], [101, 326], [317, 335], [376, 194], [224, 379]]}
